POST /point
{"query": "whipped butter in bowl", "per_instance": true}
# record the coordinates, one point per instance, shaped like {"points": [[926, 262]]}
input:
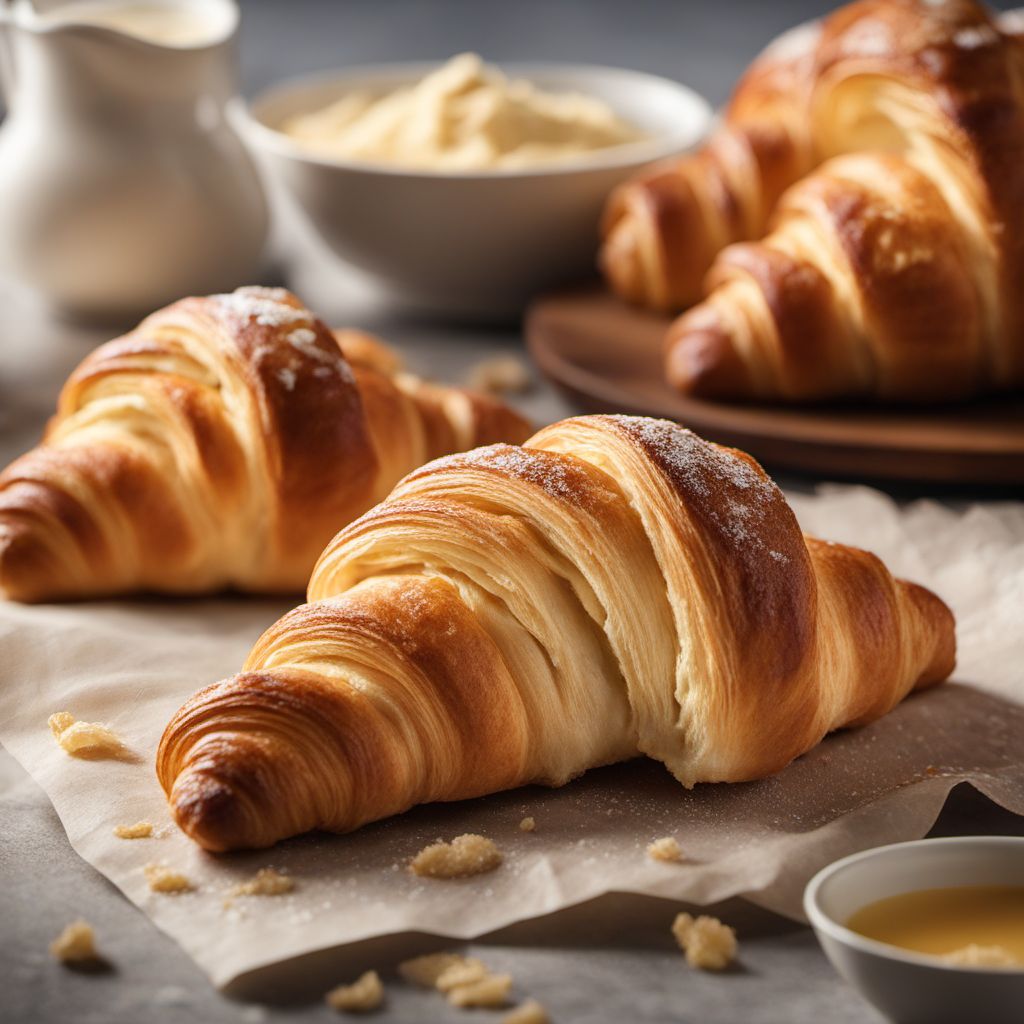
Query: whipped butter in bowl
{"points": [[465, 116], [461, 189]]}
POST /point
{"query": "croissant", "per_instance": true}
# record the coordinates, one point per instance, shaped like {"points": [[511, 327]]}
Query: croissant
{"points": [[617, 586], [219, 445], [894, 276]]}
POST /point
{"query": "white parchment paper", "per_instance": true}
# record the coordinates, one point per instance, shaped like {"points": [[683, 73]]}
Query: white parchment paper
{"points": [[132, 664]]}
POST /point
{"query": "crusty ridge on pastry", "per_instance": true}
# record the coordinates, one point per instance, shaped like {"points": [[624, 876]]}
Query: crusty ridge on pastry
{"points": [[893, 271], [220, 444], [615, 587]]}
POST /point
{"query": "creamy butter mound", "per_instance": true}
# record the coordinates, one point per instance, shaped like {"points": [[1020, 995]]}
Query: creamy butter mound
{"points": [[465, 116]]}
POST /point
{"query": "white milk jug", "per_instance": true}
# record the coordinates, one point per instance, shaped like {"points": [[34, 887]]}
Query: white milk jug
{"points": [[122, 187]]}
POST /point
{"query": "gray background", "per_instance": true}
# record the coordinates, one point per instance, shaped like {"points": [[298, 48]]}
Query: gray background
{"points": [[608, 962]]}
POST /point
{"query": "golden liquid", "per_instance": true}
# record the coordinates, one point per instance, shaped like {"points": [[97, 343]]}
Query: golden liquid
{"points": [[939, 921]]}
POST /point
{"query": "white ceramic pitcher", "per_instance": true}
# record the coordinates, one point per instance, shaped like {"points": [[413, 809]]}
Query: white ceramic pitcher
{"points": [[122, 187]]}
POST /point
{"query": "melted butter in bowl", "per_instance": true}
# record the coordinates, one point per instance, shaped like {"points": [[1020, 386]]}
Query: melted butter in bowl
{"points": [[931, 931], [966, 925], [464, 116]]}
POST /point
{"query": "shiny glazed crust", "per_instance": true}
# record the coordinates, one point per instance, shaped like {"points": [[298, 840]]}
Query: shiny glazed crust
{"points": [[219, 445], [615, 587]]}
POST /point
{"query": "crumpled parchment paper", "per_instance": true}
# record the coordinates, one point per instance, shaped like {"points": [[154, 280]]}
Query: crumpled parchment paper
{"points": [[131, 664]]}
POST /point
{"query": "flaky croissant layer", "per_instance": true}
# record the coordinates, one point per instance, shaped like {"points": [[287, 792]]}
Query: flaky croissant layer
{"points": [[615, 587], [221, 444]]}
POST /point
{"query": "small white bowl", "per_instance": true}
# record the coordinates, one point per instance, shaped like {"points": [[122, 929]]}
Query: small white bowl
{"points": [[475, 243], [912, 988]]}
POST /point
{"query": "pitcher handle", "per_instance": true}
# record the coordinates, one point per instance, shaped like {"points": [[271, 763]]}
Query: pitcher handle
{"points": [[6, 55]]}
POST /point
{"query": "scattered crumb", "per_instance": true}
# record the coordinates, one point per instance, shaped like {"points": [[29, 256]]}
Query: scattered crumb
{"points": [[467, 972], [163, 879], [499, 375], [465, 855], [266, 882], [140, 830], [76, 944], [425, 970], [362, 996], [665, 849], [527, 825], [709, 944], [982, 956], [492, 990], [530, 1012], [84, 739]]}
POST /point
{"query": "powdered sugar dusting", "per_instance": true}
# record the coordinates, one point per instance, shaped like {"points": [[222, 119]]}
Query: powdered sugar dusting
{"points": [[975, 36], [275, 307], [740, 508], [794, 43], [267, 312], [554, 473]]}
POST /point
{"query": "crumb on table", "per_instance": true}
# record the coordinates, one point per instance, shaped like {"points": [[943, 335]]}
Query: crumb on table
{"points": [[425, 970], [366, 993], [666, 849], [140, 830], [499, 375], [527, 825], [84, 739], [166, 880], [465, 855], [266, 882], [490, 991], [76, 944], [468, 971], [708, 944], [530, 1012]]}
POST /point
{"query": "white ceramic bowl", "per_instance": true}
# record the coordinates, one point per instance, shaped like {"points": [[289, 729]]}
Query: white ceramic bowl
{"points": [[912, 988], [477, 243]]}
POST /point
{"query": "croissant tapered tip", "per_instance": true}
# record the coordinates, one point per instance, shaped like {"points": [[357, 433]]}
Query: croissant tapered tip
{"points": [[701, 358], [620, 259], [24, 573], [207, 810], [935, 611]]}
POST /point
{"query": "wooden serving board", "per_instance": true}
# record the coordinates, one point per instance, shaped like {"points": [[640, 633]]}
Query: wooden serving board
{"points": [[607, 357]]}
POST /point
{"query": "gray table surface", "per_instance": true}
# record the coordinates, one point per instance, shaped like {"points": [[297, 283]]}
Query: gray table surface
{"points": [[607, 962]]}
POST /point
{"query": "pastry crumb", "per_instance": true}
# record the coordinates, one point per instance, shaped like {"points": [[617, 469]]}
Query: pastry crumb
{"points": [[366, 993], [266, 882], [490, 991], [164, 879], [464, 856], [76, 944], [708, 944], [425, 970], [140, 830], [974, 955], [84, 739], [666, 850], [467, 972], [527, 825], [530, 1012], [499, 375]]}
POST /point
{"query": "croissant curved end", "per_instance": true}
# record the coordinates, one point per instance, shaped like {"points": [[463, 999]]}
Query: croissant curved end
{"points": [[701, 358], [935, 611], [28, 573], [620, 258]]}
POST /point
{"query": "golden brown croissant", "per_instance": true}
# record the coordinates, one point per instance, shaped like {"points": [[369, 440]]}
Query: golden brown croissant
{"points": [[864, 288], [220, 444], [874, 268], [616, 586]]}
